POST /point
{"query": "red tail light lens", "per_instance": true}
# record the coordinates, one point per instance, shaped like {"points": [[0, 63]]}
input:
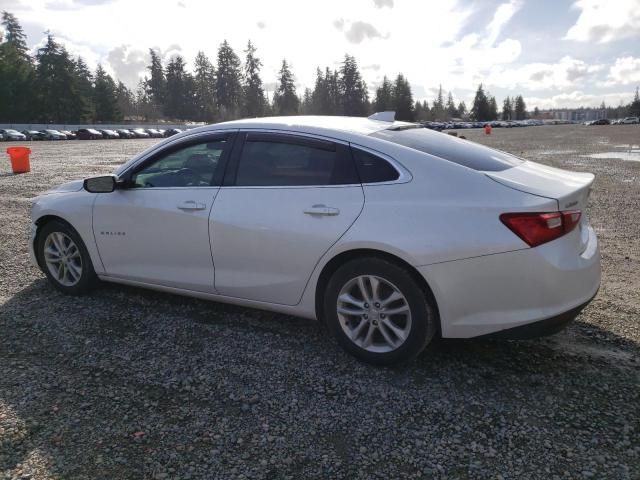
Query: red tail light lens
{"points": [[538, 228]]}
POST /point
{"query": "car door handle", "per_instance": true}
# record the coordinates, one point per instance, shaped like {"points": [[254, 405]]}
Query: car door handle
{"points": [[322, 210], [192, 205]]}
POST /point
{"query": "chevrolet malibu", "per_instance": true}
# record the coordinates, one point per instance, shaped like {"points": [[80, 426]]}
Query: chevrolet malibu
{"points": [[387, 232]]}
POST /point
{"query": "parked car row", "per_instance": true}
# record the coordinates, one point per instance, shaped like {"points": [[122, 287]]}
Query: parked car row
{"points": [[618, 121], [494, 124], [626, 121], [85, 134]]}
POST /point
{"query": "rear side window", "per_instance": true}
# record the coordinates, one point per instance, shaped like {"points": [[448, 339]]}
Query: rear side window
{"points": [[373, 169], [275, 160], [462, 152]]}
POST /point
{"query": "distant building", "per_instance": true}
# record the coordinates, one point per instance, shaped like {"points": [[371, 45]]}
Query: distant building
{"points": [[580, 114]]}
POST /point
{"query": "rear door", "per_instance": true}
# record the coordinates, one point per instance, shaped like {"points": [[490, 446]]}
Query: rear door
{"points": [[285, 201]]}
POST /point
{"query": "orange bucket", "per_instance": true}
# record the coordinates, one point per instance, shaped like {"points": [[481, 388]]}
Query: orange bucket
{"points": [[19, 159]]}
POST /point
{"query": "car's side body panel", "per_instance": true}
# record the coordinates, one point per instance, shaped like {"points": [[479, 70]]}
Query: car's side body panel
{"points": [[75, 207], [487, 294], [264, 244], [157, 235]]}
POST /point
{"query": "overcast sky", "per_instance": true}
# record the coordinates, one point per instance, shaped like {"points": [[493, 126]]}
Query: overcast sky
{"points": [[556, 53]]}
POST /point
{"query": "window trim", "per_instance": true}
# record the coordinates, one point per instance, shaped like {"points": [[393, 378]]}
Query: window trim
{"points": [[183, 142], [282, 136], [404, 174]]}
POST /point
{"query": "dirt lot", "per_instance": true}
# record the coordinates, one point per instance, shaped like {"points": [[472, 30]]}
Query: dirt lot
{"points": [[128, 383]]}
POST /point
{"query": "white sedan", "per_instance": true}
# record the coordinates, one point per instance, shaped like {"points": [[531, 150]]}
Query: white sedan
{"points": [[387, 232]]}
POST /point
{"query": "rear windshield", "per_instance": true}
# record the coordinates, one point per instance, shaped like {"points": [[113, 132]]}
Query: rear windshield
{"points": [[462, 152]]}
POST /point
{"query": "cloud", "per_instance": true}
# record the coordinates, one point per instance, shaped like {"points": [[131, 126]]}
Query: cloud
{"points": [[128, 64], [604, 21], [501, 17], [625, 71], [361, 30], [578, 97], [372, 66], [383, 3], [338, 23], [74, 4], [261, 25], [567, 73]]}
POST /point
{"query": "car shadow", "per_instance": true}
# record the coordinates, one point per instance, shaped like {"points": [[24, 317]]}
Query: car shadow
{"points": [[86, 380]]}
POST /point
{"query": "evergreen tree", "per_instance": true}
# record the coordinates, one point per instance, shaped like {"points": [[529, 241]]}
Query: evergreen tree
{"points": [[84, 90], [204, 89], [254, 99], [320, 94], [493, 108], [125, 100], [634, 108], [228, 83], [437, 111], [452, 111], [16, 73], [156, 85], [384, 101], [536, 112], [56, 95], [105, 97], [14, 35], [179, 96], [306, 106], [285, 99], [403, 99], [143, 106], [462, 109], [507, 109], [480, 108], [520, 108], [334, 107], [353, 90]]}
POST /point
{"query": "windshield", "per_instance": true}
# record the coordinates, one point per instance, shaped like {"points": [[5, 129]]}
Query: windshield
{"points": [[462, 152]]}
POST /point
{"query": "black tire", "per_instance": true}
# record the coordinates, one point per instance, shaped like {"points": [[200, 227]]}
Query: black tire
{"points": [[423, 313], [88, 277]]}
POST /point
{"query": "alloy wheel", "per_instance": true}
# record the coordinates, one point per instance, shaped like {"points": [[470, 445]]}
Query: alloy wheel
{"points": [[374, 313], [63, 259]]}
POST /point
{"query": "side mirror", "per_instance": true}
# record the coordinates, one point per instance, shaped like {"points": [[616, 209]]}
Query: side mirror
{"points": [[104, 184]]}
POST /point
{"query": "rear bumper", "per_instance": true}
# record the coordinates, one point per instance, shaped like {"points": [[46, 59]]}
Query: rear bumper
{"points": [[484, 295], [541, 328]]}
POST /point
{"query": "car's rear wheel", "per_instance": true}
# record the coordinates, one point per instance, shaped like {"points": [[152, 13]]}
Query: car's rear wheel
{"points": [[378, 312], [65, 259]]}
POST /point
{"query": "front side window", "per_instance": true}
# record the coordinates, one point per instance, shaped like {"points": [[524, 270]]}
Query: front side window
{"points": [[282, 163], [195, 165]]}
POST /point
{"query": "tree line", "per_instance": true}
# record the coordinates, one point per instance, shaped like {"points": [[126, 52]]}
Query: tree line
{"points": [[52, 86]]}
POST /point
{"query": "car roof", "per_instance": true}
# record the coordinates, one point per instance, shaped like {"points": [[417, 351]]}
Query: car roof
{"points": [[310, 123]]}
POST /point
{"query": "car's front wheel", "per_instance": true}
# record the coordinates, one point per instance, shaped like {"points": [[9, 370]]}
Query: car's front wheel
{"points": [[378, 312], [65, 259]]}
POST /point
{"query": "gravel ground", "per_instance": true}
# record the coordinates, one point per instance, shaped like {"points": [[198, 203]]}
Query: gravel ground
{"points": [[128, 383]]}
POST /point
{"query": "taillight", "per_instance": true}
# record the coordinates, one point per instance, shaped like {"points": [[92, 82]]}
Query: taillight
{"points": [[538, 228]]}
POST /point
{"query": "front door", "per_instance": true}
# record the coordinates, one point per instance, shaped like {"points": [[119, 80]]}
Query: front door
{"points": [[290, 199], [157, 229]]}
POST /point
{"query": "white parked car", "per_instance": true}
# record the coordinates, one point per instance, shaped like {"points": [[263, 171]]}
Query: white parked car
{"points": [[387, 232], [11, 134], [629, 120]]}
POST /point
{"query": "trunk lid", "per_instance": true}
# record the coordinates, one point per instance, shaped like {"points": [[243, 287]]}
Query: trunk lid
{"points": [[570, 189]]}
